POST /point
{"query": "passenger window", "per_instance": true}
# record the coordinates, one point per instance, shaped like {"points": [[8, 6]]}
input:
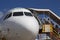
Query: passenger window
{"points": [[7, 16], [28, 14], [17, 13]]}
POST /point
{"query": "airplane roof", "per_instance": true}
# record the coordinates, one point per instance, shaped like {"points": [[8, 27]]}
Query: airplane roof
{"points": [[19, 10]]}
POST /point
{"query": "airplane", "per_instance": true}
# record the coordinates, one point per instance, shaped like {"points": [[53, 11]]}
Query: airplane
{"points": [[18, 24]]}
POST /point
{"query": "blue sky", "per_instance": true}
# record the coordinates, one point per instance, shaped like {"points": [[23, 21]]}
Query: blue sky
{"points": [[54, 5]]}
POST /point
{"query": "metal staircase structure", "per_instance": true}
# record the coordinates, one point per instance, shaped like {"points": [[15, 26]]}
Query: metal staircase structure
{"points": [[48, 12], [48, 25]]}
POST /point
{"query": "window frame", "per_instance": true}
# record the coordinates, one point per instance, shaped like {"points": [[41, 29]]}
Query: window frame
{"points": [[18, 15], [30, 14], [8, 16]]}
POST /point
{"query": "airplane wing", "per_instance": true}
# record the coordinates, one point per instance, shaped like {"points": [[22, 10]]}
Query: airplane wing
{"points": [[48, 12]]}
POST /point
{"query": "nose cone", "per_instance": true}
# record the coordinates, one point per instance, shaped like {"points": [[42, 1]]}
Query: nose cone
{"points": [[29, 23]]}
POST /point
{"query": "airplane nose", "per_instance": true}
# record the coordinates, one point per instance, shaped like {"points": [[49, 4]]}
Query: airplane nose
{"points": [[30, 24], [29, 27]]}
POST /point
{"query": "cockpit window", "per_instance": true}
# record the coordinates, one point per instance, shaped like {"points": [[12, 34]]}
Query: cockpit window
{"points": [[17, 13], [7, 16], [28, 14]]}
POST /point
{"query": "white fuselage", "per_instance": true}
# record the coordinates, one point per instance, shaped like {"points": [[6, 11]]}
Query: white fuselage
{"points": [[20, 28]]}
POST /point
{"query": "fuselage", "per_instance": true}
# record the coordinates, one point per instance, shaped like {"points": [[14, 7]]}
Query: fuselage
{"points": [[20, 24]]}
